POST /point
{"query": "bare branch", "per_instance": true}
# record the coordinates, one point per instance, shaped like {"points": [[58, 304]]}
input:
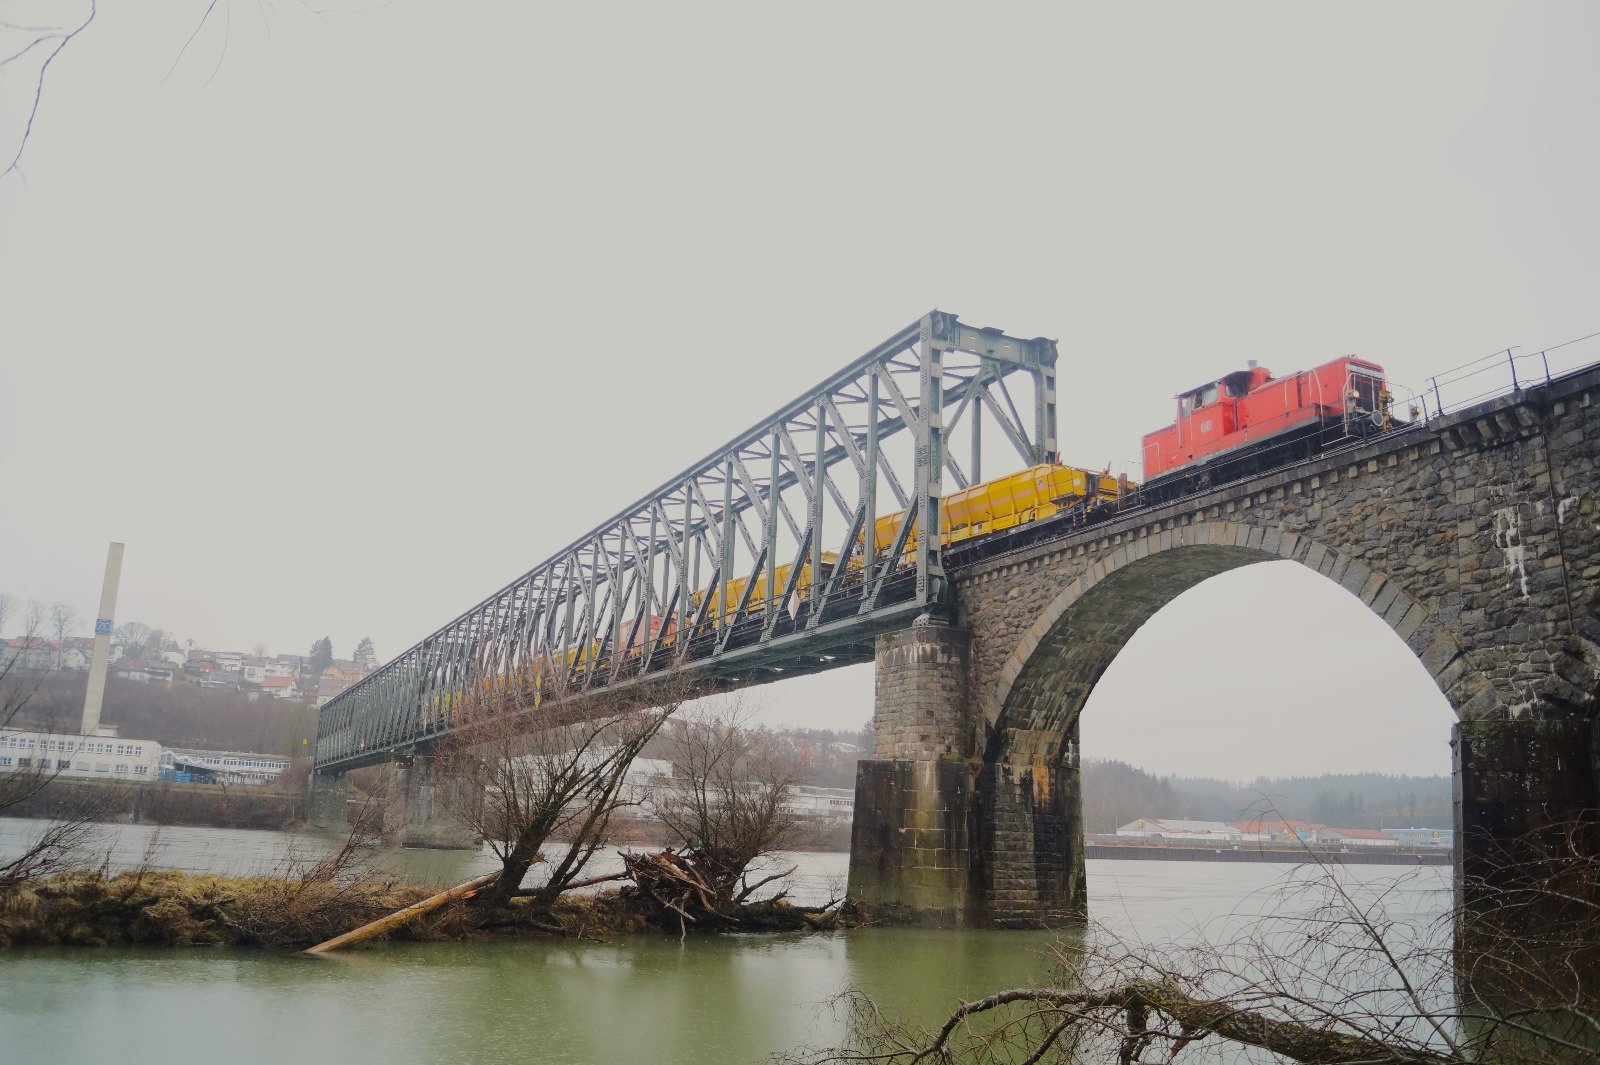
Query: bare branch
{"points": [[61, 39]]}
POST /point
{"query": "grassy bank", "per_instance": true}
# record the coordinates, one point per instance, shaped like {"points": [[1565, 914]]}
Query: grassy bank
{"points": [[168, 908], [171, 908]]}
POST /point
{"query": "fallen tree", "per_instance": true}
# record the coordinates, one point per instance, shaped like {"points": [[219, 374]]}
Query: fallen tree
{"points": [[394, 921]]}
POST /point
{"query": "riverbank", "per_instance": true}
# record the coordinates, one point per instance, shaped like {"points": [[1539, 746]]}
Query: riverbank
{"points": [[1256, 852], [170, 908], [279, 809], [161, 803]]}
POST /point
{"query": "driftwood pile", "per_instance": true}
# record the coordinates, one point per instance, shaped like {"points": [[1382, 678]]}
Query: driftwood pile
{"points": [[674, 888], [673, 883]]}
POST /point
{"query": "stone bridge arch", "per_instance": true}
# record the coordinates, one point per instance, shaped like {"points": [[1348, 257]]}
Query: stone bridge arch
{"points": [[1475, 538], [1027, 710], [1027, 730]]}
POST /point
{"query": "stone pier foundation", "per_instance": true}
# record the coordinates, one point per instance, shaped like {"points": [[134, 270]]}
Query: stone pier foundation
{"points": [[912, 853], [1034, 820], [1527, 859], [418, 815], [912, 850], [328, 802]]}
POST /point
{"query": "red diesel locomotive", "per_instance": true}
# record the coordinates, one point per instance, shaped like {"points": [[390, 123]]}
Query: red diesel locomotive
{"points": [[1250, 421]]}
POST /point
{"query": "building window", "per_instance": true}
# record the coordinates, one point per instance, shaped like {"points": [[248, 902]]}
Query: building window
{"points": [[23, 763], [5, 759], [122, 767], [82, 767], [138, 770], [102, 767], [63, 763]]}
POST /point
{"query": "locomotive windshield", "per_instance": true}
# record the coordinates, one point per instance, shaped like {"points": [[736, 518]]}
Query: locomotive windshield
{"points": [[1364, 389], [1203, 396]]}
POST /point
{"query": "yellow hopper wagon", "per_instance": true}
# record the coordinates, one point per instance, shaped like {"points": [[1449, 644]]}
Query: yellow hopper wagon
{"points": [[723, 605], [1034, 494]]}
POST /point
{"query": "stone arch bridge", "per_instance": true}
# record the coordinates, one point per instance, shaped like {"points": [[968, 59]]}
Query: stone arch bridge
{"points": [[1474, 538]]}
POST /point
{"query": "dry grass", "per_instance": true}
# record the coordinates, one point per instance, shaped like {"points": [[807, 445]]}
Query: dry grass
{"points": [[182, 909]]}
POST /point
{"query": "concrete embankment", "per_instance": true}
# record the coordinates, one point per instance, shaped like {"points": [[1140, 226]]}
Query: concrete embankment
{"points": [[1283, 855]]}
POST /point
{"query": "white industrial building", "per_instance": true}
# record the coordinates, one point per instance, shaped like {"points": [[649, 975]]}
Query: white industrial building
{"points": [[822, 804], [101, 754], [1362, 837], [105, 755], [1176, 828], [229, 767]]}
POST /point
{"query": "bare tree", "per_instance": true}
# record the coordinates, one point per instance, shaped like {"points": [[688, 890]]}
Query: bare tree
{"points": [[8, 606], [729, 799], [134, 637], [259, 650], [35, 620], [31, 769], [62, 618], [542, 793]]}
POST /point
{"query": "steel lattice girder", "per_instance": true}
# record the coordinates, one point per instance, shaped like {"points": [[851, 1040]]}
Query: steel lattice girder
{"points": [[761, 558]]}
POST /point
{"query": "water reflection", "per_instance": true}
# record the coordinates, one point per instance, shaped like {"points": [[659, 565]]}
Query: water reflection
{"points": [[733, 999], [712, 1001]]}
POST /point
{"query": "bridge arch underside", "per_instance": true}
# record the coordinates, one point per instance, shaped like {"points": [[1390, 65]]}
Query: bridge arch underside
{"points": [[1031, 811], [1032, 719]]}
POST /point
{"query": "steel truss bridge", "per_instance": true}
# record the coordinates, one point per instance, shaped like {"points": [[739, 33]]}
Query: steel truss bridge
{"points": [[760, 561]]}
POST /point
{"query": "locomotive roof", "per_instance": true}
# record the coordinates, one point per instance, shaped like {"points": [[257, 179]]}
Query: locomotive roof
{"points": [[1218, 381], [1343, 358]]}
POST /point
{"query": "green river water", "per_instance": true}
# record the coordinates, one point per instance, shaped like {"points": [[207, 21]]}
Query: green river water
{"points": [[710, 1000]]}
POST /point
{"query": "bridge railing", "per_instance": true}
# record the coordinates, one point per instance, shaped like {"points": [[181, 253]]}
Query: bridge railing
{"points": [[814, 520], [1503, 373]]}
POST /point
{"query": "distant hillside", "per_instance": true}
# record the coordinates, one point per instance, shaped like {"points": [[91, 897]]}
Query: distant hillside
{"points": [[183, 715], [1115, 793]]}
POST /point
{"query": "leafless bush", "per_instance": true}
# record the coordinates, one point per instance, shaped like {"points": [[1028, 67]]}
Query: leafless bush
{"points": [[728, 801], [543, 791], [309, 899]]}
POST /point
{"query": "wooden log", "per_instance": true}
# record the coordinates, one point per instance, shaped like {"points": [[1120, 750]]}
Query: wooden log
{"points": [[400, 917]]}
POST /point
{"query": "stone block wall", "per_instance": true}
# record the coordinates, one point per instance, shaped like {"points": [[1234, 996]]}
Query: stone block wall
{"points": [[418, 816], [1034, 872], [922, 707], [911, 847]]}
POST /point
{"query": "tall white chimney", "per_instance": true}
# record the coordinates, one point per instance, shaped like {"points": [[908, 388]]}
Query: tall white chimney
{"points": [[103, 625]]}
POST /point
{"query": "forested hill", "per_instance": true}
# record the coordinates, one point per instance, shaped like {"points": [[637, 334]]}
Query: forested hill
{"points": [[1115, 793]]}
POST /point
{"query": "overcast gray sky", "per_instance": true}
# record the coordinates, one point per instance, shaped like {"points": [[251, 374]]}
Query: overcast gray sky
{"points": [[355, 317]]}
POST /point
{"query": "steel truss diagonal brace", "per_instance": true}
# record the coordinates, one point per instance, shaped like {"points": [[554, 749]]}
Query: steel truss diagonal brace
{"points": [[807, 533]]}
